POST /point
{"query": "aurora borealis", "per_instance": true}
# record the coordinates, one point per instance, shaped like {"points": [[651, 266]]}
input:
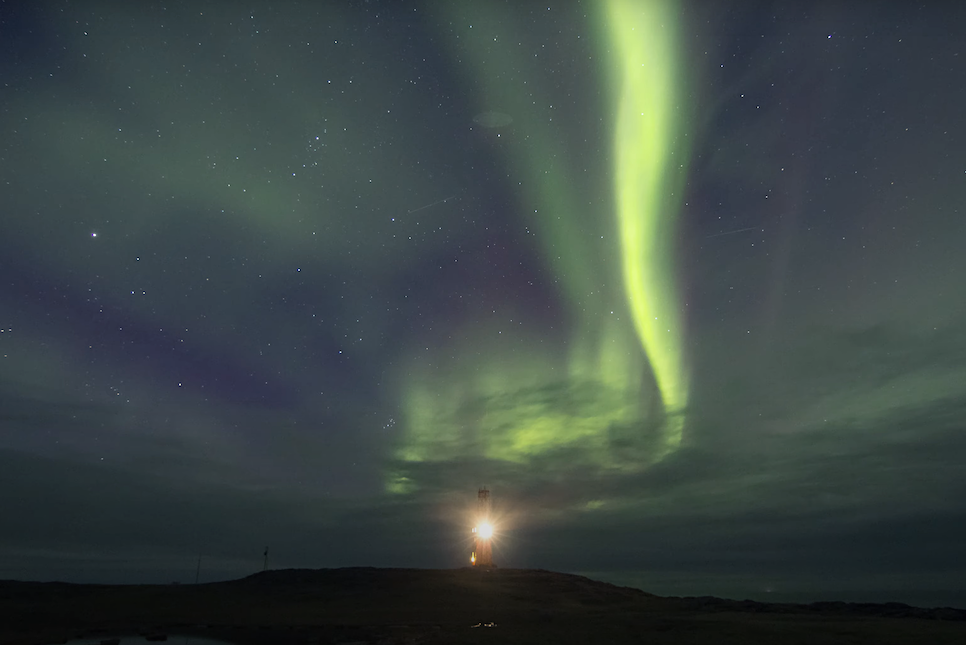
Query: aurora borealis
{"points": [[616, 275], [681, 282], [647, 195]]}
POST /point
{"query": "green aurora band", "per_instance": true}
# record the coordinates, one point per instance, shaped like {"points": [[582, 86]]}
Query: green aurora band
{"points": [[614, 399], [646, 185]]}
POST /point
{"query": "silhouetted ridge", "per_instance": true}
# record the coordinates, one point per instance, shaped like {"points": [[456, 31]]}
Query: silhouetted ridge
{"points": [[365, 604]]}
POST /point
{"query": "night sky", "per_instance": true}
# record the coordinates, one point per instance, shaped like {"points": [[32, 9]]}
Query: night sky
{"points": [[683, 284]]}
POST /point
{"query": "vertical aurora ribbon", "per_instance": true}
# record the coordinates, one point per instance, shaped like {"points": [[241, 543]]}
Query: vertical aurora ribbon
{"points": [[648, 172], [603, 223]]}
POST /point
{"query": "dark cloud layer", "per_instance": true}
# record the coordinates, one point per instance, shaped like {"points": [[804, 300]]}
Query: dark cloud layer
{"points": [[276, 275]]}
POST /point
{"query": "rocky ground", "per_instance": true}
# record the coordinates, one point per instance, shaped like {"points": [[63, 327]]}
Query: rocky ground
{"points": [[391, 606]]}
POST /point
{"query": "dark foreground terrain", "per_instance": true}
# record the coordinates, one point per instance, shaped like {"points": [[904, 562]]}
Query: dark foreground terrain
{"points": [[389, 606]]}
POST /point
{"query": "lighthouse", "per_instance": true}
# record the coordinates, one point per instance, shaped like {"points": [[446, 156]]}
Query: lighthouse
{"points": [[482, 532]]}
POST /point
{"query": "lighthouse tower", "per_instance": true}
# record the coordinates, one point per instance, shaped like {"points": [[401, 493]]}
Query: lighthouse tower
{"points": [[482, 532]]}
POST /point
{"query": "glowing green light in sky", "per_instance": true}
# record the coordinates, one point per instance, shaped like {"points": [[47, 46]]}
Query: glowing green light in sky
{"points": [[602, 216], [643, 35]]}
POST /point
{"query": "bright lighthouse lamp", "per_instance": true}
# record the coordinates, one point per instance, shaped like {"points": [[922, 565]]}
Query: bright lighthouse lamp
{"points": [[485, 531]]}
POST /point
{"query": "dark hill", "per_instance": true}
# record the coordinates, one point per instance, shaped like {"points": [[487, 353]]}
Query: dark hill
{"points": [[444, 606]]}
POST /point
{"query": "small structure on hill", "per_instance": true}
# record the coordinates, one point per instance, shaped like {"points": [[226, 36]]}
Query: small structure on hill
{"points": [[482, 532]]}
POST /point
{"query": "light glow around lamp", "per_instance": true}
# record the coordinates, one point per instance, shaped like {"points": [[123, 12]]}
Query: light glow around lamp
{"points": [[485, 531]]}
